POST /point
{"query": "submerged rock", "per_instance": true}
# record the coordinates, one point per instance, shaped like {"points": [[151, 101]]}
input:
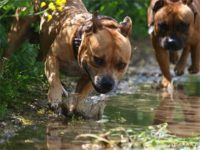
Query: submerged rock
{"points": [[89, 108]]}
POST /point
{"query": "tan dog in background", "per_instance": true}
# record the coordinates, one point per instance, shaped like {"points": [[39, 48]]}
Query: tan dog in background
{"points": [[175, 25], [94, 47]]}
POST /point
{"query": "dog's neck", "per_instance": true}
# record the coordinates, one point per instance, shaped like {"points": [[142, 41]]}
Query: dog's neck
{"points": [[78, 34]]}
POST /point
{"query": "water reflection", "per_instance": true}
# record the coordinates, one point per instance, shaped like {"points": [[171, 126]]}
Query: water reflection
{"points": [[181, 112], [145, 107], [61, 133]]}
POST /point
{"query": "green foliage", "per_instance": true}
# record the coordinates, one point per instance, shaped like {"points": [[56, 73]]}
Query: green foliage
{"points": [[21, 71], [118, 9], [3, 39], [192, 86], [17, 77], [8, 7]]}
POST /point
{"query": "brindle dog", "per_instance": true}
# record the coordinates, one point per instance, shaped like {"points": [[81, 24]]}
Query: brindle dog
{"points": [[175, 25]]}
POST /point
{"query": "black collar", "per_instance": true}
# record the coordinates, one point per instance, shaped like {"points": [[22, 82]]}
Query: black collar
{"points": [[77, 41]]}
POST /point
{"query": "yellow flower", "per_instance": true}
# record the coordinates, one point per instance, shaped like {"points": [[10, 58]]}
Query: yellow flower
{"points": [[60, 2], [60, 8], [49, 17], [52, 6], [43, 4]]}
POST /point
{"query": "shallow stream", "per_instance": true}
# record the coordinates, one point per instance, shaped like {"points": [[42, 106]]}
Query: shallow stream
{"points": [[136, 105]]}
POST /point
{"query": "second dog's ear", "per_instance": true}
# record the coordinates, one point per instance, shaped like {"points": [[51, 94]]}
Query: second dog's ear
{"points": [[158, 4], [96, 22], [153, 8], [126, 26], [187, 2]]}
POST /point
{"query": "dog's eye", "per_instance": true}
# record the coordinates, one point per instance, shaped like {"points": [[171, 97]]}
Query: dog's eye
{"points": [[182, 27], [163, 27], [99, 61], [121, 65]]}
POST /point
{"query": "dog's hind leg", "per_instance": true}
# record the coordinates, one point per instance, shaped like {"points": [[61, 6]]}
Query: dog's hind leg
{"points": [[55, 87], [195, 54]]}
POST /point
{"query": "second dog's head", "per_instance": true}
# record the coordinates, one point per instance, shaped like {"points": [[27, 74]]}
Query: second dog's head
{"points": [[171, 21], [105, 52]]}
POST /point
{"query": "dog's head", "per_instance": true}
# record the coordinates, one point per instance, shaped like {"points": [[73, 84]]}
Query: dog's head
{"points": [[105, 52], [171, 21]]}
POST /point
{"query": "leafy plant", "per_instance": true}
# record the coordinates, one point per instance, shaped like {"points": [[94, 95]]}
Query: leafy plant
{"points": [[118, 9], [17, 77]]}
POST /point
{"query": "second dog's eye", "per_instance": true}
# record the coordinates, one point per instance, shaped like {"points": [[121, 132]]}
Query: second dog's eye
{"points": [[163, 27], [99, 61], [121, 66], [182, 27]]}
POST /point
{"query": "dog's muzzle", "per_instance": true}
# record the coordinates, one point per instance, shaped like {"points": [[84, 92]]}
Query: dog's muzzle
{"points": [[104, 83], [172, 44]]}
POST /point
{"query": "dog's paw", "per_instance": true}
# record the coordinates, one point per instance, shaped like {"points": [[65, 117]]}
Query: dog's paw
{"points": [[69, 104], [179, 70], [165, 83], [54, 105], [55, 97], [193, 69], [66, 111]]}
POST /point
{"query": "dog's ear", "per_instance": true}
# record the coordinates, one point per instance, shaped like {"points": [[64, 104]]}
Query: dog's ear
{"points": [[126, 26], [158, 5], [187, 2], [96, 24], [153, 8]]}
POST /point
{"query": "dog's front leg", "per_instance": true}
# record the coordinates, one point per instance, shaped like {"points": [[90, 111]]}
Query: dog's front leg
{"points": [[162, 57], [55, 88], [195, 54], [180, 66], [83, 89], [173, 57]]}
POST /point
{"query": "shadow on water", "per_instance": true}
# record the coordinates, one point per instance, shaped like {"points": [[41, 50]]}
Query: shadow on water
{"points": [[147, 106]]}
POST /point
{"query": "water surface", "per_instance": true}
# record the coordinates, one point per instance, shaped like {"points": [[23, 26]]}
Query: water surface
{"points": [[145, 106]]}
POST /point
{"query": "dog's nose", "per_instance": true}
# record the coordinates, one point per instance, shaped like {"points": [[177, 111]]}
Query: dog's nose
{"points": [[104, 84], [107, 83], [172, 44]]}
